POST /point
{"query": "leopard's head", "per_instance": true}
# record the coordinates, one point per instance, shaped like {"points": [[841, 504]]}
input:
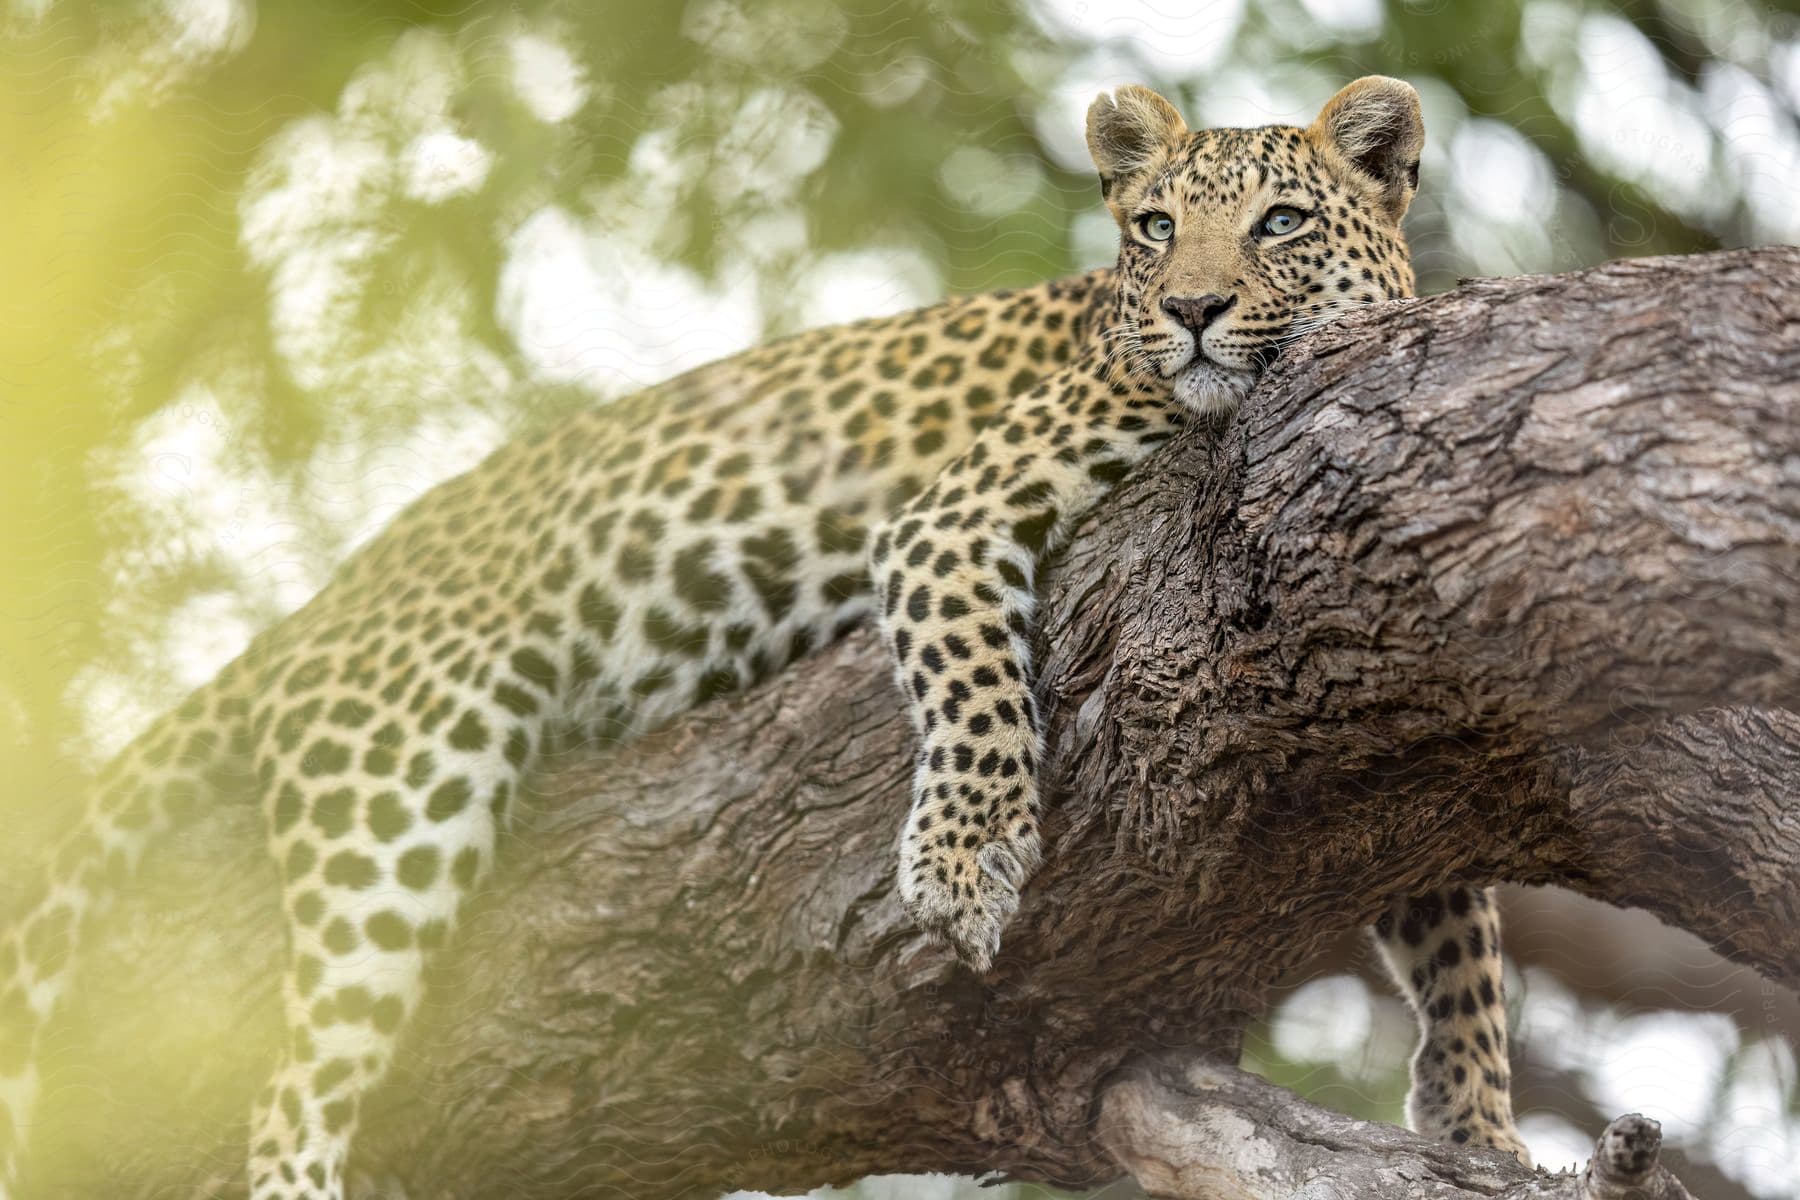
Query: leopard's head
{"points": [[1234, 241]]}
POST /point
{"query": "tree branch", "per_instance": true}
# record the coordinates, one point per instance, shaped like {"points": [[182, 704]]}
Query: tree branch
{"points": [[1452, 598], [1696, 819], [1217, 1131]]}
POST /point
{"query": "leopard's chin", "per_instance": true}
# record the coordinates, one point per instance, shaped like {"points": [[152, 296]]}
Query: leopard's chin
{"points": [[1209, 389]]}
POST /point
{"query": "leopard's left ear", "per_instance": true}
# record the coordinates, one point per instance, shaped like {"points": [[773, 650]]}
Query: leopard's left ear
{"points": [[1375, 124], [1128, 134]]}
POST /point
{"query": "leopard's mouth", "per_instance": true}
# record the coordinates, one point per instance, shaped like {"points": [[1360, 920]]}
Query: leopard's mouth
{"points": [[1207, 388]]}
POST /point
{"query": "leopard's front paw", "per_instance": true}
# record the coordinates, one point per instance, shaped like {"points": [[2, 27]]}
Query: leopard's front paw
{"points": [[963, 885]]}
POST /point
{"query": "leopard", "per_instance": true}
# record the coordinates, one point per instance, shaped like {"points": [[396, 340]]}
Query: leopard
{"points": [[1230, 242], [603, 575]]}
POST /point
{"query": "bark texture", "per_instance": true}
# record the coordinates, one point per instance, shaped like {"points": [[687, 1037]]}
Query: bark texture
{"points": [[1216, 1131], [1496, 585]]}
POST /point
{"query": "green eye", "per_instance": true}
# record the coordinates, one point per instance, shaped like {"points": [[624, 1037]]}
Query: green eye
{"points": [[1279, 220], [1158, 227]]}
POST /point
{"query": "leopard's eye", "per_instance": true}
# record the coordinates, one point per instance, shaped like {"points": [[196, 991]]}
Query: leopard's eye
{"points": [[1158, 227], [1281, 219]]}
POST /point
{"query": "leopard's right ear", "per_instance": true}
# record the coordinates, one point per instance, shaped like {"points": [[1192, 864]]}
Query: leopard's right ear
{"points": [[1375, 124], [1128, 134]]}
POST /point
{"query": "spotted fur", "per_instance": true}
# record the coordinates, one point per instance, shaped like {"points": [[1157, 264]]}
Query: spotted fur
{"points": [[629, 563], [1444, 951]]}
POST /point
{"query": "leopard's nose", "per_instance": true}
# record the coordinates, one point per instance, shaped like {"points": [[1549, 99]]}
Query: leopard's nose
{"points": [[1195, 313]]}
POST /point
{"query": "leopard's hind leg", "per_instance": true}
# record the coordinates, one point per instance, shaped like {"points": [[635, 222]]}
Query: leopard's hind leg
{"points": [[378, 852], [1443, 948]]}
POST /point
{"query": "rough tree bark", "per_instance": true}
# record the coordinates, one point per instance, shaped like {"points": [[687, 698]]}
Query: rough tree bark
{"points": [[1496, 585]]}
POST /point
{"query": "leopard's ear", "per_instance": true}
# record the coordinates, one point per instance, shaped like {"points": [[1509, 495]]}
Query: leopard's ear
{"points": [[1375, 125], [1128, 133]]}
